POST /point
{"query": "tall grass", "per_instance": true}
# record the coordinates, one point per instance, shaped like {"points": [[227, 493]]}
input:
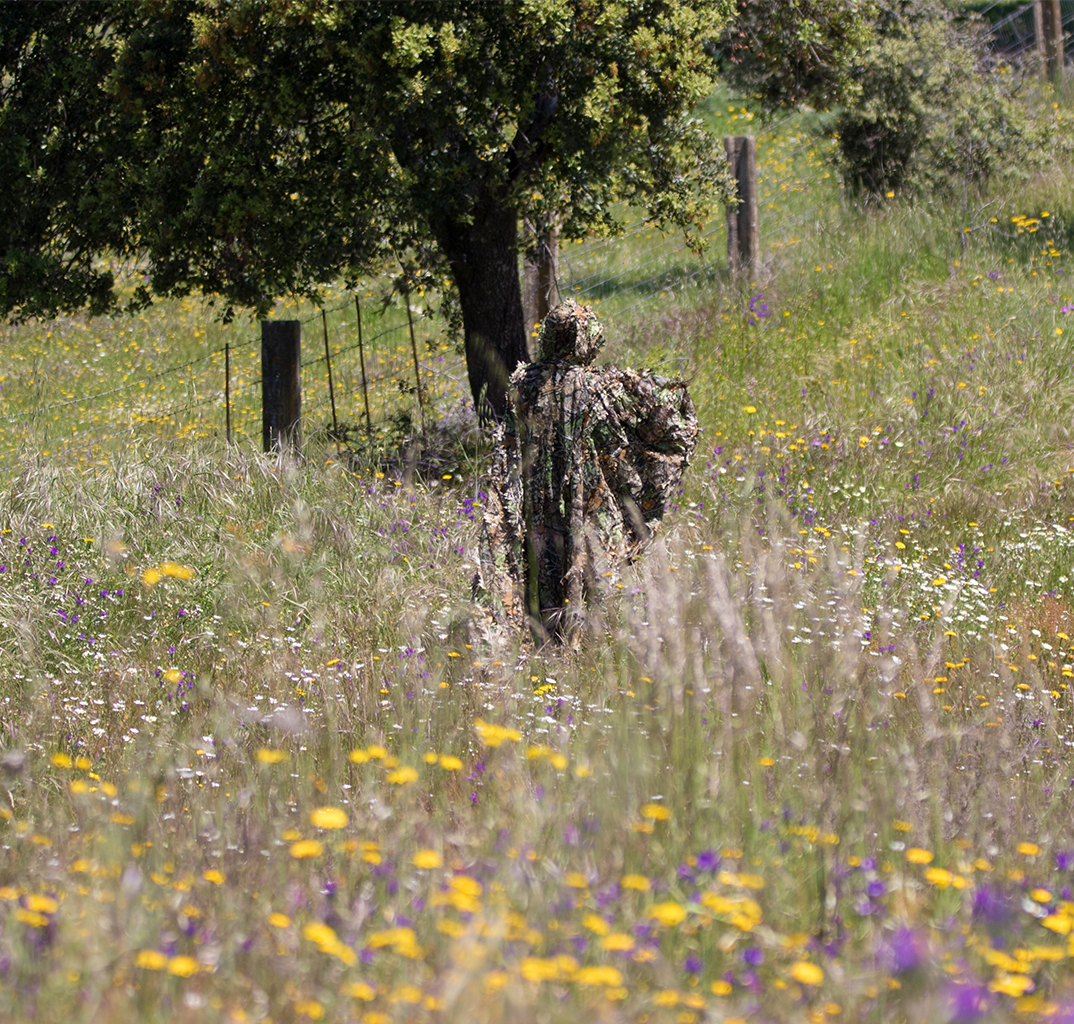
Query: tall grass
{"points": [[263, 759]]}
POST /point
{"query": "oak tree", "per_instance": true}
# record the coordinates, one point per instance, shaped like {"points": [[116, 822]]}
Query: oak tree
{"points": [[252, 148]]}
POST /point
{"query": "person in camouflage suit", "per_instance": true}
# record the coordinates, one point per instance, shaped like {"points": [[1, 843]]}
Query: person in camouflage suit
{"points": [[584, 464]]}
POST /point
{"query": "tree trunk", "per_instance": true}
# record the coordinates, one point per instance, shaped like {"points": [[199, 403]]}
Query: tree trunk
{"points": [[540, 270], [484, 262]]}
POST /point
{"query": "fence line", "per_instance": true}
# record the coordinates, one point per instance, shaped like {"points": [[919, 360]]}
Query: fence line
{"points": [[614, 268]]}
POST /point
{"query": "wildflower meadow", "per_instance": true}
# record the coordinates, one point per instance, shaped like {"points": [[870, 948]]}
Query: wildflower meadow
{"points": [[262, 759]]}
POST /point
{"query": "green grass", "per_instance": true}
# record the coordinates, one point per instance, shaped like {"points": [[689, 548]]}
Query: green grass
{"points": [[812, 764]]}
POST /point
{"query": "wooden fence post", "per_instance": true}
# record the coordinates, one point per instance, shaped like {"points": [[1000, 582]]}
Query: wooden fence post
{"points": [[417, 366], [331, 388], [361, 359], [227, 389], [281, 388], [1048, 21], [743, 235]]}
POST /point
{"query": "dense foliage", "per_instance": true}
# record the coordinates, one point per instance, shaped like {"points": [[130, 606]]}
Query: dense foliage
{"points": [[786, 54], [936, 109], [257, 149]]}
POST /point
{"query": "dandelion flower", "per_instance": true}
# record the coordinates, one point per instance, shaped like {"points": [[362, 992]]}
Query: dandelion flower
{"points": [[177, 571], [495, 735], [306, 848], [806, 973], [668, 913], [267, 756], [61, 760], [403, 776], [151, 577], [278, 920], [329, 818], [450, 763], [535, 968], [598, 975], [1011, 984], [42, 904], [1028, 849], [427, 859], [638, 882], [655, 812], [151, 960], [596, 923], [617, 942], [214, 876], [31, 917], [182, 966], [915, 855]]}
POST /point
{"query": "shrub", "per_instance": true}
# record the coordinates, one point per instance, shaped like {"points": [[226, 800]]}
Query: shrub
{"points": [[937, 111]]}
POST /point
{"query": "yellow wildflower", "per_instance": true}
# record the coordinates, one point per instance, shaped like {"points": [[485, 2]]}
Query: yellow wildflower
{"points": [[806, 973], [177, 571], [329, 818], [668, 913], [495, 735], [151, 960], [267, 756], [403, 776], [598, 975], [182, 966], [306, 848]]}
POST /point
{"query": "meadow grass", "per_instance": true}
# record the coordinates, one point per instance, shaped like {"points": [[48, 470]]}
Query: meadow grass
{"points": [[264, 760]]}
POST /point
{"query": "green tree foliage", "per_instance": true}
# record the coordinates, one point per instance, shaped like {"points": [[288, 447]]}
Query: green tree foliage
{"points": [[251, 148], [57, 170], [792, 52], [936, 110]]}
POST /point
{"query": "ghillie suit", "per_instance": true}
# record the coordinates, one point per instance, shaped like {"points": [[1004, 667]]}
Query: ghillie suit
{"points": [[585, 462]]}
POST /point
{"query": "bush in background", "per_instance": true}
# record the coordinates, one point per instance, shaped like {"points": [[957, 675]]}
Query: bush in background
{"points": [[936, 111]]}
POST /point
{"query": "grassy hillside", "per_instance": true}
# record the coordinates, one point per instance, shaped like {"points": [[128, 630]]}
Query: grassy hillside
{"points": [[263, 761]]}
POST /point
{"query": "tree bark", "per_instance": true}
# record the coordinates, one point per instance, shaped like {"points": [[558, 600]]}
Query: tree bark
{"points": [[484, 263], [540, 270]]}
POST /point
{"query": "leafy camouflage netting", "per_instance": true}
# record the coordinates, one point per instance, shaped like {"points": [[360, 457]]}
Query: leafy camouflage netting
{"points": [[584, 465]]}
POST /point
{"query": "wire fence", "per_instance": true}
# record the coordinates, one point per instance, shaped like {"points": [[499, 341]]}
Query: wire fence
{"points": [[1015, 34], [630, 279]]}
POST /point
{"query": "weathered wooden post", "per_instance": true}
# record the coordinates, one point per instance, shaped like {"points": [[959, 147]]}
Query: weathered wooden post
{"points": [[1048, 23], [743, 234], [281, 388], [331, 389], [540, 270], [227, 390], [361, 359]]}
